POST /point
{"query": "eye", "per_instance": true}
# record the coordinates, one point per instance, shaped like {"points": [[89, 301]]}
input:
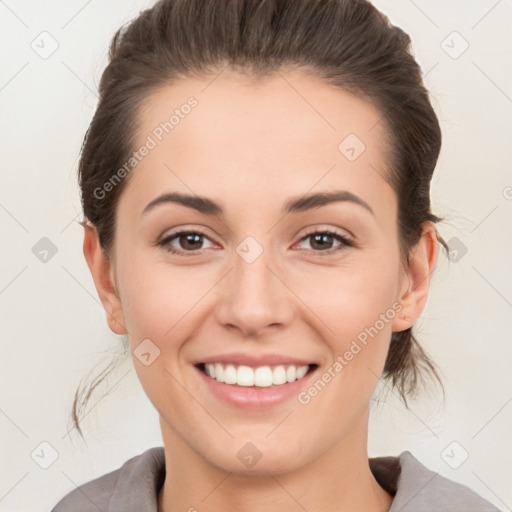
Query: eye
{"points": [[191, 242], [324, 239], [188, 240]]}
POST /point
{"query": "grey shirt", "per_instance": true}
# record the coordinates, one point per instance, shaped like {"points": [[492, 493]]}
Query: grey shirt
{"points": [[135, 485]]}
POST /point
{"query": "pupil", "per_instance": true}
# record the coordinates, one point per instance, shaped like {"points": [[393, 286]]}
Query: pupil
{"points": [[189, 236], [321, 238]]}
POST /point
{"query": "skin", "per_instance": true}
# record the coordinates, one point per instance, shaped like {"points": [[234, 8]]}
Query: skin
{"points": [[262, 143]]}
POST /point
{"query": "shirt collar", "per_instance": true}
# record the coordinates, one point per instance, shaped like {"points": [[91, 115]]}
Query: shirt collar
{"points": [[415, 488]]}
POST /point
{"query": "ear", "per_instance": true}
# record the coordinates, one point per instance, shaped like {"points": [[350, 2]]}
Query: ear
{"points": [[416, 282], [103, 276]]}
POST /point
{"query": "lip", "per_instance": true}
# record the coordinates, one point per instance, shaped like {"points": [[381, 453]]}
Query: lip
{"points": [[253, 397], [254, 361]]}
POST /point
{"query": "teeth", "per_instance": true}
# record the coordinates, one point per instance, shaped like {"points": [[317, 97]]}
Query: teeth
{"points": [[262, 376], [218, 372], [301, 371]]}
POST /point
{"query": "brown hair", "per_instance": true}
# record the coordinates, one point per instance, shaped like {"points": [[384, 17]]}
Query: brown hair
{"points": [[348, 43]]}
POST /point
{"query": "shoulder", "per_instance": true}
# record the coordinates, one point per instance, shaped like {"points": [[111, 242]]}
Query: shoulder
{"points": [[136, 482], [420, 490]]}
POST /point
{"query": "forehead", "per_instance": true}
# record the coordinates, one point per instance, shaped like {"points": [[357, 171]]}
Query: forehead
{"points": [[285, 134], [307, 109]]}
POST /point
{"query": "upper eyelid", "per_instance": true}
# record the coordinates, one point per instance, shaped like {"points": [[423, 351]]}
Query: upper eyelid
{"points": [[187, 231]]}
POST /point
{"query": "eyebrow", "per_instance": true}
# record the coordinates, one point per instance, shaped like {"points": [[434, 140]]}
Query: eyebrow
{"points": [[293, 205]]}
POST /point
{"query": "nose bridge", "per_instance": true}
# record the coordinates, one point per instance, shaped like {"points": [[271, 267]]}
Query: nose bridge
{"points": [[254, 297]]}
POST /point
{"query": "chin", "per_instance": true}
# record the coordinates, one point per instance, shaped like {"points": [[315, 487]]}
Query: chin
{"points": [[258, 456]]}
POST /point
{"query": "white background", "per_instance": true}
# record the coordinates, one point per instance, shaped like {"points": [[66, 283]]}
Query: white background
{"points": [[53, 328]]}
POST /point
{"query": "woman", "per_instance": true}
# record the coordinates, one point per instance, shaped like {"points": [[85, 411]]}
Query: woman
{"points": [[255, 185]]}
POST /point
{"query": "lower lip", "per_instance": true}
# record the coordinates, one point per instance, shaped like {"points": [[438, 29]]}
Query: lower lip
{"points": [[254, 397]]}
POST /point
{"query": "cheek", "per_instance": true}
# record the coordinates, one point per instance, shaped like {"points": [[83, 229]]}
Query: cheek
{"points": [[160, 306], [157, 298], [353, 305], [350, 298]]}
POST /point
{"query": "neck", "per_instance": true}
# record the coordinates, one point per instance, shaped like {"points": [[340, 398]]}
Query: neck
{"points": [[338, 480]]}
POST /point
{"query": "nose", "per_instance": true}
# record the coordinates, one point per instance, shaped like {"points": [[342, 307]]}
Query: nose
{"points": [[254, 296]]}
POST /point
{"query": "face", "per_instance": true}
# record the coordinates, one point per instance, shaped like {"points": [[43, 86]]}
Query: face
{"points": [[253, 284]]}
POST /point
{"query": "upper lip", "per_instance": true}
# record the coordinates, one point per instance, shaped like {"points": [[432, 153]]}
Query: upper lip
{"points": [[254, 361]]}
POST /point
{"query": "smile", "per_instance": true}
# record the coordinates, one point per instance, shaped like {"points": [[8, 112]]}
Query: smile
{"points": [[262, 376]]}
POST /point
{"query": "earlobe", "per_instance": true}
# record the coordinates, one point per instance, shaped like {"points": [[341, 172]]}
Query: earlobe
{"points": [[416, 283], [102, 273]]}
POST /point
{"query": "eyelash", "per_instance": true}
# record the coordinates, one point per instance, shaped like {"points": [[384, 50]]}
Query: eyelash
{"points": [[341, 238]]}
